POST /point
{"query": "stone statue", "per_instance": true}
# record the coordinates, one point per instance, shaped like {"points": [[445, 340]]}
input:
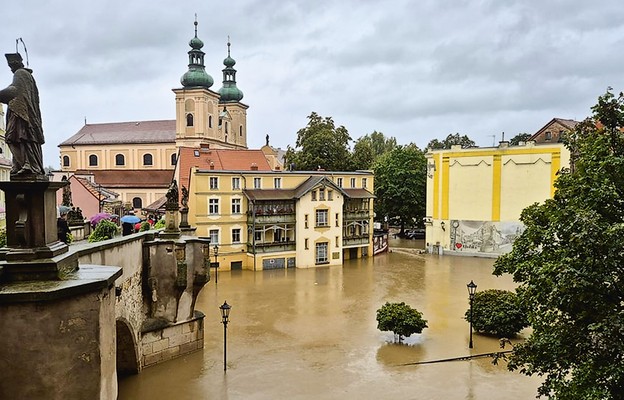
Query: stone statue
{"points": [[185, 196], [67, 196], [173, 194], [267, 139], [24, 132]]}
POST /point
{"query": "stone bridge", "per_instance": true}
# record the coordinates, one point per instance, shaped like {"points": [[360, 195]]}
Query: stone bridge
{"points": [[155, 295]]}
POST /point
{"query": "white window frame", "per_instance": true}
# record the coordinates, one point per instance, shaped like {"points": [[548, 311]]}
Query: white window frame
{"points": [[214, 182], [236, 205], [277, 183], [322, 218], [352, 182], [339, 182], [257, 183], [213, 206], [236, 235], [321, 253], [235, 183], [214, 236]]}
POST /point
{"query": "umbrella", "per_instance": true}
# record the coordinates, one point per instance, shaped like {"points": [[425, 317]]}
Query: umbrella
{"points": [[64, 209], [131, 219], [98, 217]]}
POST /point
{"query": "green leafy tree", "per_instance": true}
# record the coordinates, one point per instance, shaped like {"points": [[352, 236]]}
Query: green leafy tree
{"points": [[400, 319], [369, 148], [569, 264], [104, 230], [451, 140], [497, 312], [160, 224], [145, 226], [521, 137], [3, 237], [400, 185], [320, 145]]}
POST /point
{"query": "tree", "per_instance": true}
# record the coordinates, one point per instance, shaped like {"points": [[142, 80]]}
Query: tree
{"points": [[569, 264], [451, 140], [320, 145], [520, 137], [400, 319], [497, 312], [400, 185], [369, 148]]}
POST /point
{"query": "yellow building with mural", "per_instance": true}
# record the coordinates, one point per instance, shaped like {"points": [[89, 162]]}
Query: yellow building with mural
{"points": [[265, 219], [475, 196]]}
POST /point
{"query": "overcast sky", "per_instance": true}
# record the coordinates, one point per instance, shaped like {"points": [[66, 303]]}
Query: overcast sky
{"points": [[414, 70]]}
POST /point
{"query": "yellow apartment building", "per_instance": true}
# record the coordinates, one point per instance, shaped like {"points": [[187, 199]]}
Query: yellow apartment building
{"points": [[475, 196], [264, 219]]}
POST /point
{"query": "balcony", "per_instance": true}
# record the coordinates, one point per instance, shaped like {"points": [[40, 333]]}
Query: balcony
{"points": [[356, 214], [355, 240], [271, 218], [271, 247]]}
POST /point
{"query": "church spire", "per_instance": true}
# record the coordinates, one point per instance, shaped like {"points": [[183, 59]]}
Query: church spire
{"points": [[196, 74], [229, 92]]}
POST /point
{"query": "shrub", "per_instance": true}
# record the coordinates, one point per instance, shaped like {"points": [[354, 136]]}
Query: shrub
{"points": [[104, 230], [497, 312], [3, 237], [160, 224], [145, 226], [401, 319]]}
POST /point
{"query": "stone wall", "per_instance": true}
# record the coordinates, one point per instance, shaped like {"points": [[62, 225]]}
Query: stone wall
{"points": [[172, 341]]}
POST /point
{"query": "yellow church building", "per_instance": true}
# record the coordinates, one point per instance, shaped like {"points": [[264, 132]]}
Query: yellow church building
{"points": [[475, 195]]}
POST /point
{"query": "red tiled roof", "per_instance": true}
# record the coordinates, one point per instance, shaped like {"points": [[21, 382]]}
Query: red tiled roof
{"points": [[132, 178], [124, 132], [220, 160]]}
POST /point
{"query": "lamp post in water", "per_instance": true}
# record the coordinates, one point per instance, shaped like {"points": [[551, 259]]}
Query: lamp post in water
{"points": [[472, 289], [225, 315], [216, 263]]}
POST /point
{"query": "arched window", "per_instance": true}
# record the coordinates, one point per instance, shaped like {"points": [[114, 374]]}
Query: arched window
{"points": [[137, 202], [226, 127], [210, 121], [173, 159], [120, 159], [147, 159], [65, 161], [189, 119], [93, 161]]}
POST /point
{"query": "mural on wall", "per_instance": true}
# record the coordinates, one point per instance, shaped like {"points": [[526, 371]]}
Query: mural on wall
{"points": [[484, 236]]}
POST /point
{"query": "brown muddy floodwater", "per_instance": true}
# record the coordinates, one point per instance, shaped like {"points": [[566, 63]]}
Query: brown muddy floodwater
{"points": [[312, 334]]}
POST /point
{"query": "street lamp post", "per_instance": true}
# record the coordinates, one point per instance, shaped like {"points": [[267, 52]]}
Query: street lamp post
{"points": [[472, 288], [225, 315], [216, 263]]}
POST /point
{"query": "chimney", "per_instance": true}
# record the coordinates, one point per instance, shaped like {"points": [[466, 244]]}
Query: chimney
{"points": [[254, 166], [211, 165]]}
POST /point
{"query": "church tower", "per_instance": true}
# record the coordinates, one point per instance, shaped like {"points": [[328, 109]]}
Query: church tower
{"points": [[197, 107], [233, 113]]}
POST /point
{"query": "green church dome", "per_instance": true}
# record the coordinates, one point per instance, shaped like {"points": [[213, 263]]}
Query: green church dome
{"points": [[229, 92], [196, 74]]}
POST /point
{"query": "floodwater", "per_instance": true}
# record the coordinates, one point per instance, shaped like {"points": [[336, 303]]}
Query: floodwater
{"points": [[312, 334]]}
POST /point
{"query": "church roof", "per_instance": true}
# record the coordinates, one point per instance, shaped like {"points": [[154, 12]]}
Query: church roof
{"points": [[132, 178], [163, 131]]}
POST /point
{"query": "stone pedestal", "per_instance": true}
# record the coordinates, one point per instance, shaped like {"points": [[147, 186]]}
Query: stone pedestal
{"points": [[58, 337], [185, 228], [32, 238]]}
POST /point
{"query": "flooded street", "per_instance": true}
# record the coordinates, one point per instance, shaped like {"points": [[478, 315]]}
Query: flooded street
{"points": [[311, 334]]}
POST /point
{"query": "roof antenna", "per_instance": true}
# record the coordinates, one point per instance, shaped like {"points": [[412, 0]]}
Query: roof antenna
{"points": [[23, 45]]}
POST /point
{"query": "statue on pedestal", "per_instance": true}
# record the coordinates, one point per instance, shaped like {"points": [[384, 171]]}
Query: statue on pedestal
{"points": [[24, 131]]}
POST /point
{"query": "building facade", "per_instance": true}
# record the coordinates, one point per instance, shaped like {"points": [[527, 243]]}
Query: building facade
{"points": [[475, 196], [263, 219]]}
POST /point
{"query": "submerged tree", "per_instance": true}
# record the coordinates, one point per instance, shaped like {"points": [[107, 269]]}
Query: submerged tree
{"points": [[569, 263], [497, 312], [400, 319]]}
